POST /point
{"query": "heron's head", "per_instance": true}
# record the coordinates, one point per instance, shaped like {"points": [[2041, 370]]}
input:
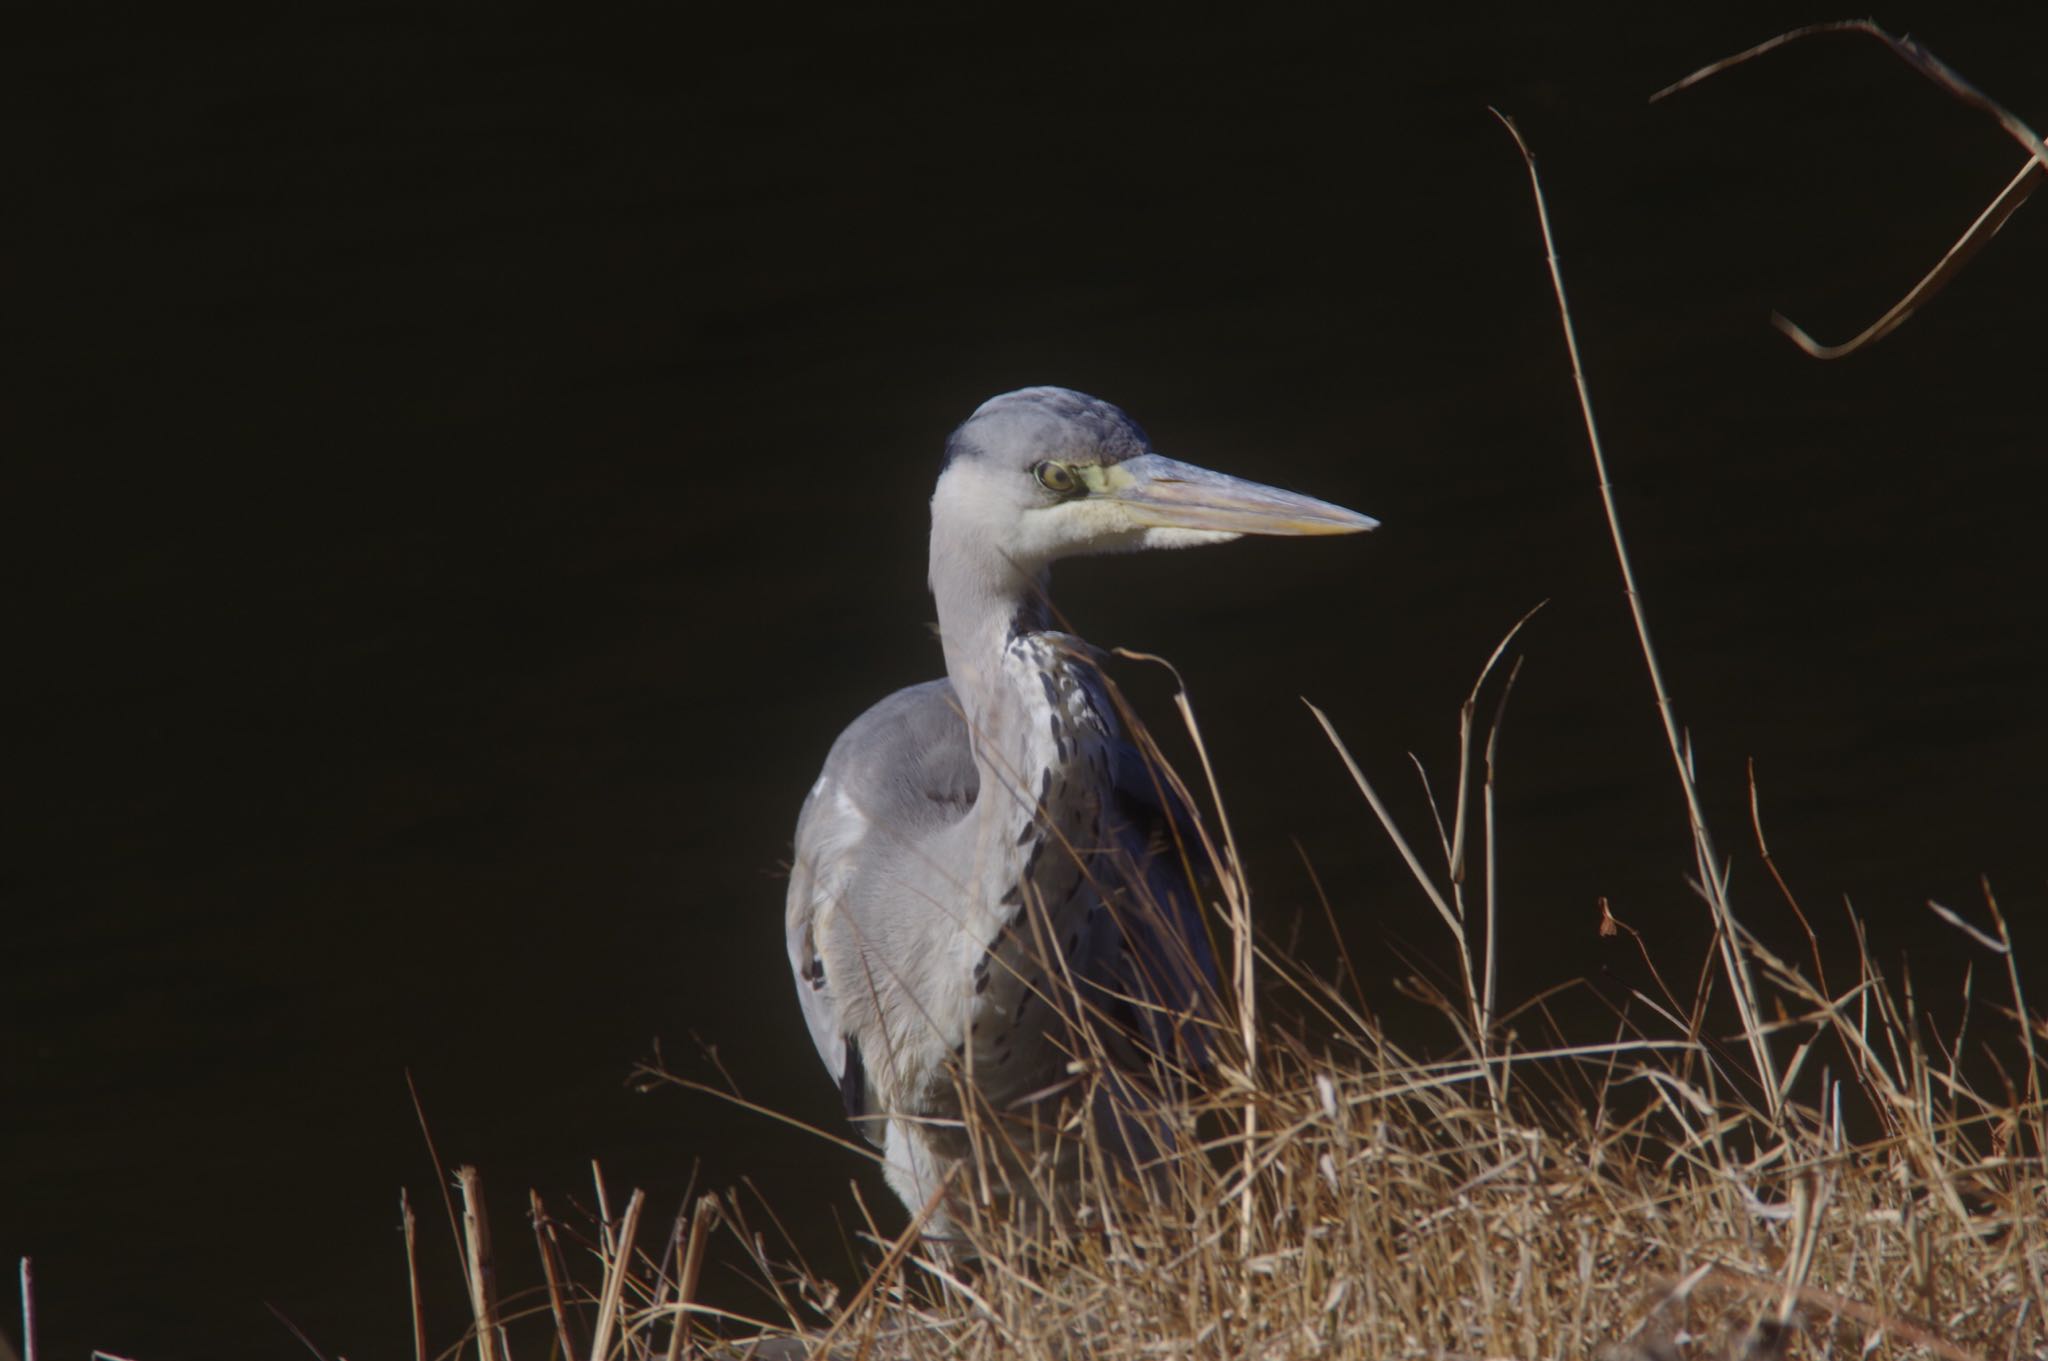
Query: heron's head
{"points": [[1047, 473]]}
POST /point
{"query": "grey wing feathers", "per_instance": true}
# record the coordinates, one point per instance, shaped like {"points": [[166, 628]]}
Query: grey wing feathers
{"points": [[904, 768], [903, 773]]}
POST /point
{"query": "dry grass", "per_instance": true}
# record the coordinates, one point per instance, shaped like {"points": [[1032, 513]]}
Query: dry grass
{"points": [[1640, 1196], [1636, 1197]]}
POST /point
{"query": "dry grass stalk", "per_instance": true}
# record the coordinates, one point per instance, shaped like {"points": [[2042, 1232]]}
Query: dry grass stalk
{"points": [[693, 1268], [1711, 881], [479, 1267], [409, 1224], [615, 1279], [1243, 962], [2030, 176], [552, 1274]]}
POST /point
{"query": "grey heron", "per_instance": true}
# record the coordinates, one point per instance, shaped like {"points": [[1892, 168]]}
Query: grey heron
{"points": [[983, 850]]}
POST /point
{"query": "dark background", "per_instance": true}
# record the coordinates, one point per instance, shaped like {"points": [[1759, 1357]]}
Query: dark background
{"points": [[463, 473]]}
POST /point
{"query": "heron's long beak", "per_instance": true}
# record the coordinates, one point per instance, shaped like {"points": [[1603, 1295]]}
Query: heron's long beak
{"points": [[1163, 493]]}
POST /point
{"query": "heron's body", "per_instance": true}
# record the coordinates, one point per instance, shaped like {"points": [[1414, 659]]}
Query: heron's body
{"points": [[984, 862]]}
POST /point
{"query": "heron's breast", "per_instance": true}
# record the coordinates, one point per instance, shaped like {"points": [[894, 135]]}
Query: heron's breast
{"points": [[1043, 839], [1060, 745]]}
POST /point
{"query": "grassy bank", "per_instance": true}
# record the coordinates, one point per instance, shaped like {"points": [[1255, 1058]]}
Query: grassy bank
{"points": [[1822, 1178]]}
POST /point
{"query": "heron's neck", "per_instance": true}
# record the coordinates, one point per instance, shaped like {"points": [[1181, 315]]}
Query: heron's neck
{"points": [[1038, 727], [984, 601], [975, 633]]}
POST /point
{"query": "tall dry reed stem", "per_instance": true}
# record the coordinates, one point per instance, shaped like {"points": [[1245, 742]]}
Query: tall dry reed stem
{"points": [[1712, 882]]}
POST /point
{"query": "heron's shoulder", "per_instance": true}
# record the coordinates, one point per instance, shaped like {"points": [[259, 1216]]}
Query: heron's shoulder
{"points": [[906, 761]]}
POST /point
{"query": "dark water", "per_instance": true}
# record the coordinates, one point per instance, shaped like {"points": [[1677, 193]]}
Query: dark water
{"points": [[464, 474]]}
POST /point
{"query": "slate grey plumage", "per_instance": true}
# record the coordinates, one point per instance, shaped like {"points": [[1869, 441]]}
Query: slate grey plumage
{"points": [[983, 859]]}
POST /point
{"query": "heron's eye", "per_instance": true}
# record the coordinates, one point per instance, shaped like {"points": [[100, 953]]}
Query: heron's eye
{"points": [[1056, 478]]}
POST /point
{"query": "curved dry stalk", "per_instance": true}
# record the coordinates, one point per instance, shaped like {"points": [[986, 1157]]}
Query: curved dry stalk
{"points": [[1951, 263], [1457, 849], [1907, 50], [2030, 176]]}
